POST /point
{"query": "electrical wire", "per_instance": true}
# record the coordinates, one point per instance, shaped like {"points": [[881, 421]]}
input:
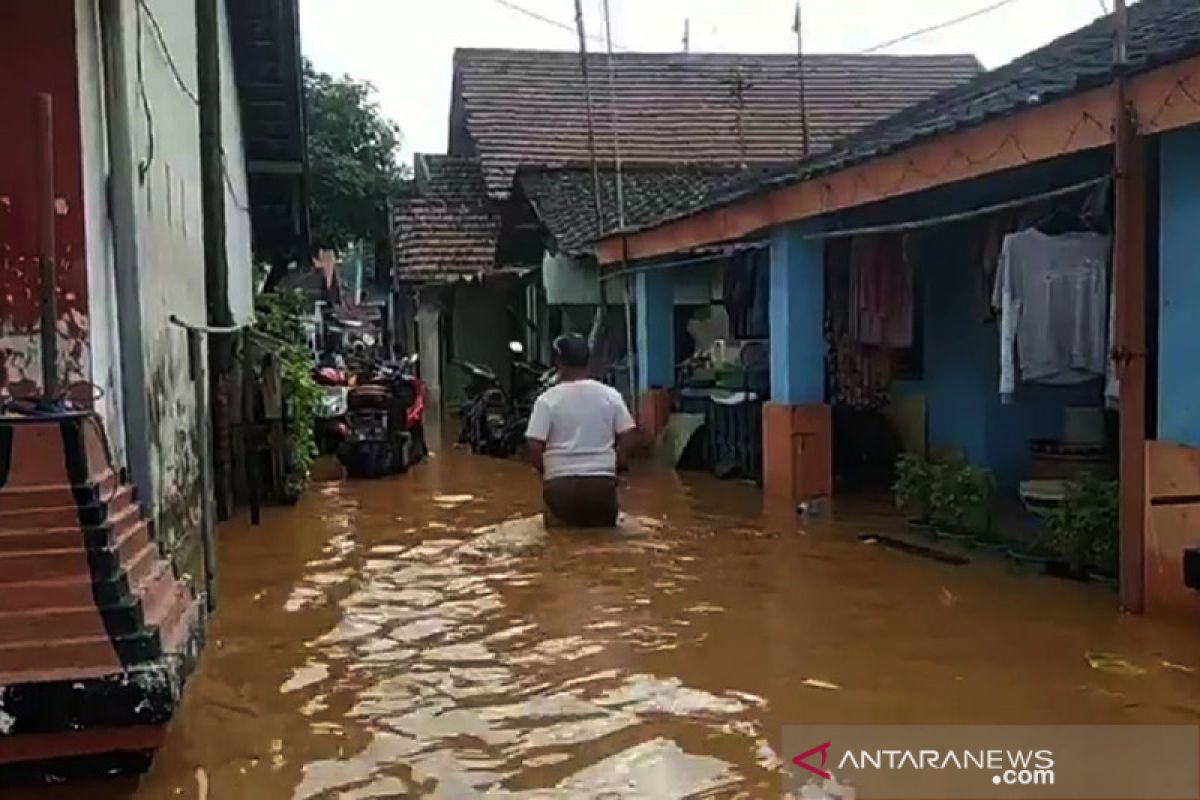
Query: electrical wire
{"points": [[979, 12], [173, 66], [511, 6], [166, 52], [148, 161]]}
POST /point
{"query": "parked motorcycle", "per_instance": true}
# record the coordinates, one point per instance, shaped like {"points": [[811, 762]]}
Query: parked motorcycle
{"points": [[331, 428], [493, 421], [386, 420]]}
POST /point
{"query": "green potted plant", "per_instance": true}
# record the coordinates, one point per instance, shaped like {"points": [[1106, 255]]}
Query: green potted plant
{"points": [[975, 489], [949, 501], [1084, 528], [912, 489]]}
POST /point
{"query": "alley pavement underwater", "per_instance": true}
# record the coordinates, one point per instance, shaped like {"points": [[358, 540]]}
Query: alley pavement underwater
{"points": [[423, 636]]}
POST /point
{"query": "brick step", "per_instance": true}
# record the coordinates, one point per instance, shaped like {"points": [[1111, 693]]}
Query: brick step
{"points": [[127, 553], [17, 677], [64, 516], [176, 630], [96, 537], [46, 624], [85, 651], [81, 591], [19, 498]]}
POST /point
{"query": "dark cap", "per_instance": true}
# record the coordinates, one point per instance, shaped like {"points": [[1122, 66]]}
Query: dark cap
{"points": [[571, 350]]}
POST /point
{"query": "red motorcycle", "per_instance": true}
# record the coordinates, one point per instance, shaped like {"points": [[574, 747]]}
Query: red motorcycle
{"points": [[330, 427], [386, 420]]}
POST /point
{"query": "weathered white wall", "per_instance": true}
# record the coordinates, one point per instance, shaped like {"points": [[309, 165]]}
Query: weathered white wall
{"points": [[102, 297], [164, 127], [238, 237]]}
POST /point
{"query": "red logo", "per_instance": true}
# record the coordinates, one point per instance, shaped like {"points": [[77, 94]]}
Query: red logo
{"points": [[802, 761]]}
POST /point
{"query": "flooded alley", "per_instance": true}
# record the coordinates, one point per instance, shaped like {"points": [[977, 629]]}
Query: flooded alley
{"points": [[387, 639]]}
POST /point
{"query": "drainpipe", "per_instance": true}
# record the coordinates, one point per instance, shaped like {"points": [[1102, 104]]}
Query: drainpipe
{"points": [[123, 218]]}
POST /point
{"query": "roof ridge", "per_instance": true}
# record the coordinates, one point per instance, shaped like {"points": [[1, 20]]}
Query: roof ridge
{"points": [[461, 52]]}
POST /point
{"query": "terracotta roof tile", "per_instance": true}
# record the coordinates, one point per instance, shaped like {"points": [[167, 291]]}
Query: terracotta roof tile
{"points": [[522, 107], [562, 197], [437, 240], [1160, 32], [452, 178]]}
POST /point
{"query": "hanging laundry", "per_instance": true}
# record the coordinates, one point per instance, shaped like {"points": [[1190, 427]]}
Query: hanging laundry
{"points": [[1052, 295], [991, 242], [881, 292]]}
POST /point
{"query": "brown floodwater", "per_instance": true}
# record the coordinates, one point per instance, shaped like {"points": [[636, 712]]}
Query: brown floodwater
{"points": [[424, 636]]}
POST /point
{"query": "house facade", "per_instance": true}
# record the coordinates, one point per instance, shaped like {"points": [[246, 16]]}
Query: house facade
{"points": [[1061, 147], [677, 123], [106, 516]]}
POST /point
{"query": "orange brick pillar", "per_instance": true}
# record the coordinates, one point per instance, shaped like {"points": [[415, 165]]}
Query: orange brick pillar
{"points": [[653, 412], [797, 424], [797, 452]]}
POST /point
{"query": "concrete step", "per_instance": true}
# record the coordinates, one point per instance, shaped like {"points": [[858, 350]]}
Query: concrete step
{"points": [[68, 515], [81, 591], [97, 537], [46, 624], [127, 552], [106, 485], [95, 652]]}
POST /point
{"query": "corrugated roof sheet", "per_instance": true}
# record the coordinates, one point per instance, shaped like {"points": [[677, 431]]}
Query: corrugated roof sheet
{"points": [[522, 107], [1160, 32]]}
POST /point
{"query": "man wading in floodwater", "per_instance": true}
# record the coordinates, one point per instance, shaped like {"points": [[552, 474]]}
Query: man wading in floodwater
{"points": [[579, 432]]}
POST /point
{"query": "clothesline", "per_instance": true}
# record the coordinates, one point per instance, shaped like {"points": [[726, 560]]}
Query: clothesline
{"points": [[960, 216]]}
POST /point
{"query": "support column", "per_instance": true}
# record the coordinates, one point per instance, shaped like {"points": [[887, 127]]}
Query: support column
{"points": [[797, 423], [654, 294], [429, 347]]}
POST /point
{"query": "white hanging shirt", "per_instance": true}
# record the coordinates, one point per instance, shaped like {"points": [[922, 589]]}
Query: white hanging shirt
{"points": [[1052, 294]]}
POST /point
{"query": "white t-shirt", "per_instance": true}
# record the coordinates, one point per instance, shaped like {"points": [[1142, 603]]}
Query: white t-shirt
{"points": [[579, 421]]}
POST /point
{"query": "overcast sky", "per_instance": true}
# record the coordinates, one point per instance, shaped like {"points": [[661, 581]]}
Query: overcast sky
{"points": [[405, 47]]}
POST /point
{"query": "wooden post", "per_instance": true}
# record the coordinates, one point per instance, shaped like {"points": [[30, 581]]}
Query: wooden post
{"points": [[250, 432], [49, 248], [216, 269], [1130, 276]]}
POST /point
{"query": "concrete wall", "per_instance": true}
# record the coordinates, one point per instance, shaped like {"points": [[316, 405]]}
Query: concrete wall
{"points": [[159, 242], [101, 277], [962, 371], [238, 236], [1179, 292], [480, 334], [573, 281]]}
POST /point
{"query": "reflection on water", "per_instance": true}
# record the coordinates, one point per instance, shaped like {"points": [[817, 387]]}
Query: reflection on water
{"points": [[424, 636]]}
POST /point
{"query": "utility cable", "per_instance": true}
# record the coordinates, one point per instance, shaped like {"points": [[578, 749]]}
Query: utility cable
{"points": [[511, 6], [188, 92], [979, 12]]}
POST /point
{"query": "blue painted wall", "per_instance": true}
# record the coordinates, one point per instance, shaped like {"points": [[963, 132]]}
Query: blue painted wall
{"points": [[962, 371], [1179, 289], [655, 298], [797, 315]]}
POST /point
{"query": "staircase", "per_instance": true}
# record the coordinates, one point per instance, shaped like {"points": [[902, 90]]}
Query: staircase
{"points": [[96, 632]]}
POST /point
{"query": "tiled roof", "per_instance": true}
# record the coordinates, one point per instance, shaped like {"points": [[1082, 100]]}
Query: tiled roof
{"points": [[521, 107], [437, 240], [1160, 32], [451, 178], [563, 197]]}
